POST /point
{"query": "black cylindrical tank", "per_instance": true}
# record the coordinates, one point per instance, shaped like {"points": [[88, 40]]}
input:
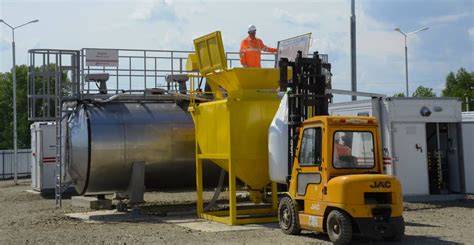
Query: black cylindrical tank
{"points": [[104, 140]]}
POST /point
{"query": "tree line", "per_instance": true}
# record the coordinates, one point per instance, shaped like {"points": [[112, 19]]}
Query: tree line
{"points": [[6, 103], [459, 84]]}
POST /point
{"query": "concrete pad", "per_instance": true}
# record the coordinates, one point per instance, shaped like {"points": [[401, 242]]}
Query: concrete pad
{"points": [[33, 192], [212, 226], [105, 216], [190, 222], [91, 202]]}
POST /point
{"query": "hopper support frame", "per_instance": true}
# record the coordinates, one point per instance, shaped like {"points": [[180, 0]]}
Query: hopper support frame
{"points": [[234, 215]]}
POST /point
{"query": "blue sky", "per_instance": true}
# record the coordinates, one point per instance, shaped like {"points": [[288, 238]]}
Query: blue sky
{"points": [[446, 46]]}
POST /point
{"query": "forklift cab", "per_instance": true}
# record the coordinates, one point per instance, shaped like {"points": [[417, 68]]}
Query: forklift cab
{"points": [[337, 184], [335, 146], [354, 146]]}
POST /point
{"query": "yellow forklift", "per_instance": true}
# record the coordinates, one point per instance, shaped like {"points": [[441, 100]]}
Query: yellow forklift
{"points": [[335, 177]]}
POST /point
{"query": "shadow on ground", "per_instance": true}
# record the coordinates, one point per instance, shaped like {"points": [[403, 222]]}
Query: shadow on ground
{"points": [[419, 224], [66, 195], [463, 203], [408, 239]]}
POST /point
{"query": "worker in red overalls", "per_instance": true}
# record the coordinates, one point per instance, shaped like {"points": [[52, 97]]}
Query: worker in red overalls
{"points": [[251, 48]]}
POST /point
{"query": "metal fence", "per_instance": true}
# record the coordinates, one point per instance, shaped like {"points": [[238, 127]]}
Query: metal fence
{"points": [[60, 75], [140, 70], [137, 70], [6, 164]]}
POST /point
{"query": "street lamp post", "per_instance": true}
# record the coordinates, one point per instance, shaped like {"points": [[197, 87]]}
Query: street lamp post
{"points": [[15, 136], [406, 53]]}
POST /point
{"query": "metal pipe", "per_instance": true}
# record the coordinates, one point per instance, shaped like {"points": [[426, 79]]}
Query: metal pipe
{"points": [[467, 102], [353, 51], [406, 66], [438, 154], [382, 129], [111, 98], [347, 92], [406, 53], [3, 165], [15, 135], [144, 70], [81, 79], [394, 151]]}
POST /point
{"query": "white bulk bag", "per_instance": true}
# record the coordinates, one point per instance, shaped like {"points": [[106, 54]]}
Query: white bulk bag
{"points": [[278, 143]]}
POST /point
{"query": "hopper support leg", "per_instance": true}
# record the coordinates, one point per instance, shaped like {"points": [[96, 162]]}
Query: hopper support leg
{"points": [[274, 197], [199, 188], [232, 195]]}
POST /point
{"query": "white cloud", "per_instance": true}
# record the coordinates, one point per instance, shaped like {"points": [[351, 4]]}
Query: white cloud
{"points": [[4, 44], [297, 19], [155, 11], [143, 11], [470, 31], [374, 38], [444, 19]]}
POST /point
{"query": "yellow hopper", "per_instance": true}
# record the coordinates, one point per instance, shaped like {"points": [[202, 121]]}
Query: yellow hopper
{"points": [[232, 130]]}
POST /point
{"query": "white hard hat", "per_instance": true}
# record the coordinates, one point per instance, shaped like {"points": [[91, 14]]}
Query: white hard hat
{"points": [[252, 28]]}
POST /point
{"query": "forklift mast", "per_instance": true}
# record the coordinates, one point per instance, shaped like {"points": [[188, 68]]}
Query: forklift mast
{"points": [[306, 92]]}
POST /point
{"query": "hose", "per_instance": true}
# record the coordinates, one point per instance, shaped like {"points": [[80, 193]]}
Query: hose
{"points": [[111, 98], [218, 191], [211, 204]]}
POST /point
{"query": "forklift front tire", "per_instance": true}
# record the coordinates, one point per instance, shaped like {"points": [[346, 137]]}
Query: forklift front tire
{"points": [[288, 217], [339, 227]]}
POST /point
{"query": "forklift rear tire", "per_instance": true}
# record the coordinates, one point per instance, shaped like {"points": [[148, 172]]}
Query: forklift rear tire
{"points": [[288, 217], [339, 227]]}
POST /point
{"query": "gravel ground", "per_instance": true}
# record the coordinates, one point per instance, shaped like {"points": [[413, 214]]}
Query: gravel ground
{"points": [[27, 218]]}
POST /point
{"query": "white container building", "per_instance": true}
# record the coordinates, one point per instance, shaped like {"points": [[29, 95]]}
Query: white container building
{"points": [[421, 139], [43, 160], [468, 149]]}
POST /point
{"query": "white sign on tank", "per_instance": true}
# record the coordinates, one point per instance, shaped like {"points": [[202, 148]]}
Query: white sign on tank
{"points": [[102, 57]]}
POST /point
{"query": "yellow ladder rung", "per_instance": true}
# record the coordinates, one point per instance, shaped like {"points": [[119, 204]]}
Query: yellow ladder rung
{"points": [[213, 156]]}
